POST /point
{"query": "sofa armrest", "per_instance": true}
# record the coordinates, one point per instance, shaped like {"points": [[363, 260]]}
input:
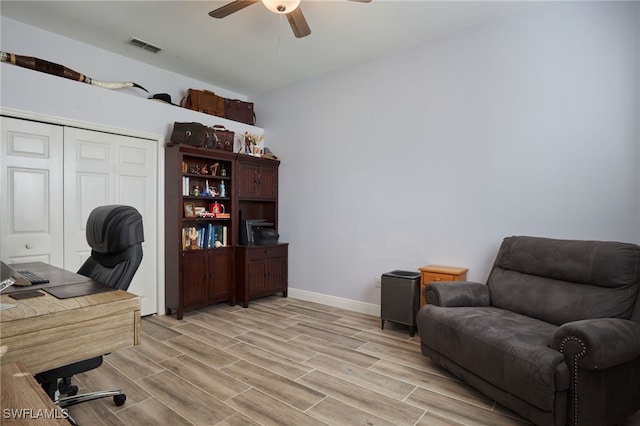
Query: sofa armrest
{"points": [[457, 293], [598, 343]]}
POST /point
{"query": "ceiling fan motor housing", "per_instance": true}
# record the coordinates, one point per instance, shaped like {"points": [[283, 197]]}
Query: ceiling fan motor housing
{"points": [[281, 6], [290, 8]]}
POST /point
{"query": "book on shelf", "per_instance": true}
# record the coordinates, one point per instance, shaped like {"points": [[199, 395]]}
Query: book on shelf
{"points": [[204, 236], [185, 185]]}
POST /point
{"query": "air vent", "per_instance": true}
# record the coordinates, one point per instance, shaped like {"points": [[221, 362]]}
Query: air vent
{"points": [[144, 45]]}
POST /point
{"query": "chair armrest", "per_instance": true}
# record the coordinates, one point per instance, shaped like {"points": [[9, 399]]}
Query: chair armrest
{"points": [[598, 343], [457, 293]]}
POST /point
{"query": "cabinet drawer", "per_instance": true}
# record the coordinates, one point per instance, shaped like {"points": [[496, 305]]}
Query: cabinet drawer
{"points": [[267, 252], [429, 277]]}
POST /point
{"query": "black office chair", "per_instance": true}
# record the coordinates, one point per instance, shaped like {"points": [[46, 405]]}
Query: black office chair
{"points": [[115, 235]]}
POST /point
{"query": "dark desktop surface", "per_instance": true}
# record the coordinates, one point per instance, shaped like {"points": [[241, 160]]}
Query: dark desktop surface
{"points": [[62, 284]]}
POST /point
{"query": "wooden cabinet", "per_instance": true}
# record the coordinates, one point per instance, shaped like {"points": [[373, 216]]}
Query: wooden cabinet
{"points": [[204, 263], [199, 246], [261, 271], [434, 273], [207, 278], [257, 181]]}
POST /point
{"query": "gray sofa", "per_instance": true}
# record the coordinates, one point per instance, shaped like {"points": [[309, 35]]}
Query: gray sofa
{"points": [[554, 334]]}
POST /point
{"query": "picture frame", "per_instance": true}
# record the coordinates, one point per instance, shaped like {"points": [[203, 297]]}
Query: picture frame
{"points": [[189, 210]]}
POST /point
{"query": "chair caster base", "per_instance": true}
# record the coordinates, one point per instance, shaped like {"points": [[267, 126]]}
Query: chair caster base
{"points": [[65, 387], [119, 399]]}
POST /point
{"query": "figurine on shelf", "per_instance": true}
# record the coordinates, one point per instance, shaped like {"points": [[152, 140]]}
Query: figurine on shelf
{"points": [[223, 171], [207, 191], [203, 170], [248, 142], [193, 237], [214, 169], [196, 191]]}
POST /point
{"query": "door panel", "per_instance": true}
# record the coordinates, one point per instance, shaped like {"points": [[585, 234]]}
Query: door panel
{"points": [[103, 168], [32, 192], [136, 185], [48, 170], [89, 183]]}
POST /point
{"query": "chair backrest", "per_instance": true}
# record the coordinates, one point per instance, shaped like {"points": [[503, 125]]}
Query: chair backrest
{"points": [[566, 280], [115, 235]]}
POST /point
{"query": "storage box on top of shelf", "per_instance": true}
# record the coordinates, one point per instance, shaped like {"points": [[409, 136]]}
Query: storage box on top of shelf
{"points": [[223, 138], [237, 110], [197, 134], [208, 102], [204, 101]]}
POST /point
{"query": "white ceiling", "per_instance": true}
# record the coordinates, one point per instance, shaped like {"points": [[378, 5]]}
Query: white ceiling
{"points": [[254, 50]]}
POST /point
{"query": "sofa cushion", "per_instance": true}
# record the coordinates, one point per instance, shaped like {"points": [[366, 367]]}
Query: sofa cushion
{"points": [[509, 350], [559, 281]]}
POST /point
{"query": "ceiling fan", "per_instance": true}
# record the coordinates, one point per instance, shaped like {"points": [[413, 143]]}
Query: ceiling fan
{"points": [[290, 8]]}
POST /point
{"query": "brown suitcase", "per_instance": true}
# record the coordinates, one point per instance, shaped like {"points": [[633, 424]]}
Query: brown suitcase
{"points": [[194, 134], [238, 110], [204, 101], [223, 138]]}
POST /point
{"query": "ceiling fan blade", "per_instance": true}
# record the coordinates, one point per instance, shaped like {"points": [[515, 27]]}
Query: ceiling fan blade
{"points": [[230, 8], [298, 23]]}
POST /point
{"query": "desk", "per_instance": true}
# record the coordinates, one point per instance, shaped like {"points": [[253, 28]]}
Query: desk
{"points": [[44, 332], [24, 402]]}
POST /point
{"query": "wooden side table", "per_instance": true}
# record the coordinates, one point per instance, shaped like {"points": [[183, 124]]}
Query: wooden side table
{"points": [[432, 273]]}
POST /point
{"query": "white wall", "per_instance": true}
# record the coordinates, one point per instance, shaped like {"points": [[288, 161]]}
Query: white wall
{"points": [[31, 94], [127, 109], [522, 126], [525, 125]]}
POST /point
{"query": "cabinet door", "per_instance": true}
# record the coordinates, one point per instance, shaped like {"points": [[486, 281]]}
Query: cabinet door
{"points": [[257, 182], [267, 183], [256, 276], [247, 180], [195, 278], [221, 276], [276, 274]]}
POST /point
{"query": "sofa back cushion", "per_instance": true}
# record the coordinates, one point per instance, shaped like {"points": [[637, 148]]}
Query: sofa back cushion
{"points": [[566, 280]]}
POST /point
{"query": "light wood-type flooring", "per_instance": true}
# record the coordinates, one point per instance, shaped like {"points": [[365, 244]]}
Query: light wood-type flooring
{"points": [[282, 361]]}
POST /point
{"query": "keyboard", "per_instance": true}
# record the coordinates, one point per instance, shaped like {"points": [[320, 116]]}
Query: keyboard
{"points": [[33, 278]]}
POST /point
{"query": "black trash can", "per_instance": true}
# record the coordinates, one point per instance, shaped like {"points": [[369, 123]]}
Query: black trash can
{"points": [[400, 298]]}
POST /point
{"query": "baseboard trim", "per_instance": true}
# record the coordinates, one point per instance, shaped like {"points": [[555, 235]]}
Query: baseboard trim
{"points": [[336, 302]]}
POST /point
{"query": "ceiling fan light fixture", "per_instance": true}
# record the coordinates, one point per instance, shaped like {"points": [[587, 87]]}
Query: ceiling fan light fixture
{"points": [[281, 7]]}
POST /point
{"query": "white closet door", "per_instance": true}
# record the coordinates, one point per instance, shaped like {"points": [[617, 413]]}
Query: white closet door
{"points": [[31, 192], [103, 168]]}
